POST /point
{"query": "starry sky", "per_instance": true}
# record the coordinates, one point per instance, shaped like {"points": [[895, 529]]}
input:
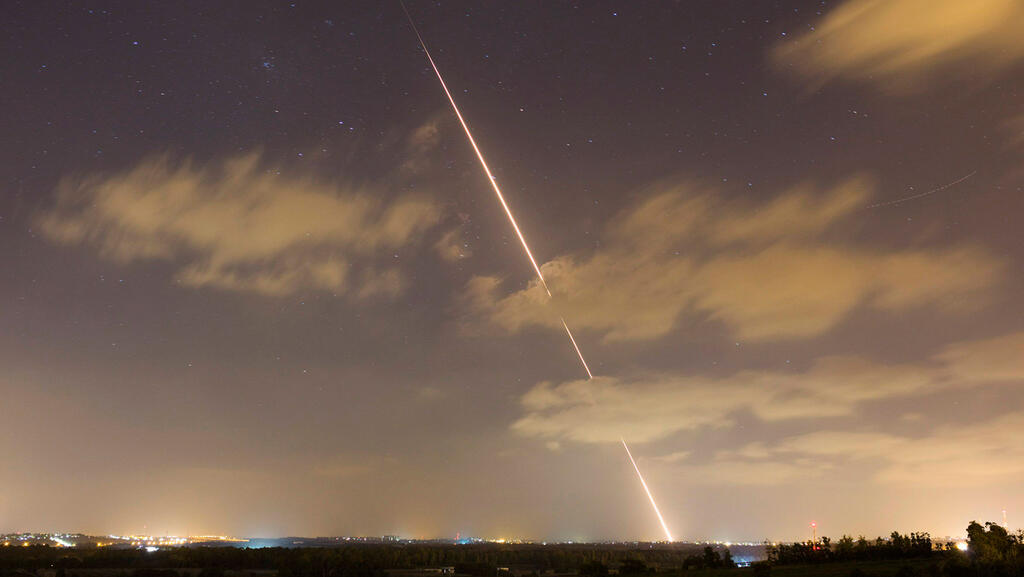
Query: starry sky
{"points": [[255, 282]]}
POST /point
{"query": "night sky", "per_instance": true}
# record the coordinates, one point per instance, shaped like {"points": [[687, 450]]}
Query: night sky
{"points": [[254, 281]]}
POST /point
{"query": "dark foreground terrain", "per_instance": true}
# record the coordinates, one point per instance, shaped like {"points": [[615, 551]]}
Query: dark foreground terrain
{"points": [[357, 560], [992, 552]]}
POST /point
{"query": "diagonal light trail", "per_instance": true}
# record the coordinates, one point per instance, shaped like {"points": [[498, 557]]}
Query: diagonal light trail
{"points": [[526, 247], [479, 155], [648, 491], [575, 346], [923, 194]]}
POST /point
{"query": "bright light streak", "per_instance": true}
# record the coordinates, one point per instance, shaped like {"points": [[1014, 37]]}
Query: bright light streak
{"points": [[480, 156], [494, 185], [575, 346], [668, 534], [522, 240]]}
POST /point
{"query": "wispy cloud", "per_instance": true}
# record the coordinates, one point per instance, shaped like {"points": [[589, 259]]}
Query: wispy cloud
{"points": [[726, 471], [451, 246], [421, 143], [236, 226], [651, 407], [949, 456], [897, 43], [765, 271], [1014, 130], [348, 466]]}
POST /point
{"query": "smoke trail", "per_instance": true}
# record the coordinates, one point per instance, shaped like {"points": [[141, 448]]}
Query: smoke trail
{"points": [[476, 149], [522, 241], [648, 491], [575, 346]]}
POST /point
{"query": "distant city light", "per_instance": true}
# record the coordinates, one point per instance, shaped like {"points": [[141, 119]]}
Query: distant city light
{"points": [[962, 545]]}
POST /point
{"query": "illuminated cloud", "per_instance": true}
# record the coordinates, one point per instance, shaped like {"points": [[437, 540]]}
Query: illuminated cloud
{"points": [[648, 408], [242, 228], [949, 456], [897, 42], [675, 457], [450, 247], [347, 466], [765, 271], [1014, 130], [426, 136], [420, 144], [728, 471]]}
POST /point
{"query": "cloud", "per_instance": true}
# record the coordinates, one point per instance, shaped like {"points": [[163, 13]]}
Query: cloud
{"points": [[238, 227], [950, 456], [995, 359], [765, 271], [724, 471], [426, 136], [430, 393], [651, 407], [1013, 128], [895, 43], [421, 144], [451, 247], [675, 457], [348, 466]]}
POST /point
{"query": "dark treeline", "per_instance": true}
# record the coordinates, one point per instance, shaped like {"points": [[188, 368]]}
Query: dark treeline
{"points": [[355, 560], [709, 558], [992, 552], [849, 549]]}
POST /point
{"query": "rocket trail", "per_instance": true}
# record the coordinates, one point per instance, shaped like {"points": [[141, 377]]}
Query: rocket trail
{"points": [[522, 241], [575, 346], [648, 491], [479, 155]]}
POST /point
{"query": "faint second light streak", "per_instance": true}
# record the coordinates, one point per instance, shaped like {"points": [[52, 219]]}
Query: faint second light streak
{"points": [[923, 194]]}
